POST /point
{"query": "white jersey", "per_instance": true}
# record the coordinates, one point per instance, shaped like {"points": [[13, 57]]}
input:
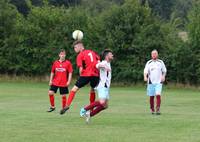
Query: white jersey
{"points": [[105, 75], [155, 69]]}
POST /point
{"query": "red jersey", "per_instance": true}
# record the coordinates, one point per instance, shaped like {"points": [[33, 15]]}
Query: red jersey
{"points": [[87, 59], [61, 71]]}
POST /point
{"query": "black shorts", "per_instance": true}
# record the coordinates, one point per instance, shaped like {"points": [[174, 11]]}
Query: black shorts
{"points": [[63, 90], [84, 80]]}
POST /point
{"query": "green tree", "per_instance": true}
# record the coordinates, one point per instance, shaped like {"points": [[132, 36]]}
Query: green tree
{"points": [[9, 18], [131, 32], [194, 36], [47, 30]]}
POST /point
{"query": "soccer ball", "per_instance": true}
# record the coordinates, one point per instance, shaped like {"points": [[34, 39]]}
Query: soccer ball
{"points": [[77, 35]]}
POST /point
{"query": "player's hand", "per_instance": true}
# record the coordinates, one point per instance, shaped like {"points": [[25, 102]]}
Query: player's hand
{"points": [[163, 78], [67, 84], [145, 78], [50, 83]]}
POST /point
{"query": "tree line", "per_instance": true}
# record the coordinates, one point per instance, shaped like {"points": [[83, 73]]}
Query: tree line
{"points": [[30, 41]]}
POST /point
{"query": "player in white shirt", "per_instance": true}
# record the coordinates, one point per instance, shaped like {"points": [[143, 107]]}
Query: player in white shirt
{"points": [[154, 74], [103, 87]]}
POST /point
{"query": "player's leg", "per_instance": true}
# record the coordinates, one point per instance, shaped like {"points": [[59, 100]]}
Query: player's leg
{"points": [[52, 91], [92, 95], [89, 107], [82, 81], [63, 92], [69, 99], [158, 90], [94, 81], [96, 110], [151, 100], [103, 94], [151, 94]]}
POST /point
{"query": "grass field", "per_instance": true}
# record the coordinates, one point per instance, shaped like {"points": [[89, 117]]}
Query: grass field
{"points": [[23, 116]]}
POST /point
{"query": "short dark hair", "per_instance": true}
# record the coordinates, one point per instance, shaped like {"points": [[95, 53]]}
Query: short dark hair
{"points": [[77, 42], [62, 50], [105, 53]]}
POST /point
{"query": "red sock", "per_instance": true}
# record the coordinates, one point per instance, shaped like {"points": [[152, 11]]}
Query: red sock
{"points": [[63, 101], [97, 110], [158, 102], [70, 98], [92, 97], [51, 98], [152, 103], [92, 105]]}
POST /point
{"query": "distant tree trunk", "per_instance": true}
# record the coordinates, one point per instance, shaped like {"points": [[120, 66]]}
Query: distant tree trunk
{"points": [[142, 2]]}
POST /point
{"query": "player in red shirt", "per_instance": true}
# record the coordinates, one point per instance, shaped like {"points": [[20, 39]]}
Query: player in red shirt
{"points": [[61, 75], [86, 62]]}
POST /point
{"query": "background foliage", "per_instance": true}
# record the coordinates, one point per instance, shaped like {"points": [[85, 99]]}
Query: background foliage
{"points": [[32, 32]]}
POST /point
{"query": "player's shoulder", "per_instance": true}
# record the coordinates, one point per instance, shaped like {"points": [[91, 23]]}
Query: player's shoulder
{"points": [[55, 62], [84, 52], [150, 61], [159, 60], [90, 50], [67, 61], [103, 62]]}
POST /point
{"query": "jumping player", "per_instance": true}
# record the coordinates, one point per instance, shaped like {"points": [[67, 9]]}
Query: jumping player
{"points": [[86, 62]]}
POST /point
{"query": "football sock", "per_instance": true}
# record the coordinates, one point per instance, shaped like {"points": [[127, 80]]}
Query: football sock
{"points": [[97, 110], [92, 97], [158, 102], [70, 98], [152, 103], [51, 98], [92, 105], [63, 101]]}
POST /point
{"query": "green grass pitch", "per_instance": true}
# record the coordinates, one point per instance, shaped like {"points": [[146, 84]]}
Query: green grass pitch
{"points": [[23, 116]]}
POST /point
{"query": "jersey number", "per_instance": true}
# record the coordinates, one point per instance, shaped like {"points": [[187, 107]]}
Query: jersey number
{"points": [[91, 57]]}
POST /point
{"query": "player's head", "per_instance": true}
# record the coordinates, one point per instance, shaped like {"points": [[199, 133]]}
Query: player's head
{"points": [[62, 54], [78, 46], [154, 54], [107, 55]]}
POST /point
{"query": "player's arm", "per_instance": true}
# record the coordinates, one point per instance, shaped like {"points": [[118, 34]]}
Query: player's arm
{"points": [[79, 61], [145, 77], [70, 70], [146, 73], [52, 74], [69, 79], [102, 65], [164, 72], [80, 70], [51, 78]]}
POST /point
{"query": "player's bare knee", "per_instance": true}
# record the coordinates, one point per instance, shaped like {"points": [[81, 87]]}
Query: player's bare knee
{"points": [[75, 89], [104, 103], [50, 93]]}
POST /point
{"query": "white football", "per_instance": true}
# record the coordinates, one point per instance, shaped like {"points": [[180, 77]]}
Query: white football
{"points": [[77, 35]]}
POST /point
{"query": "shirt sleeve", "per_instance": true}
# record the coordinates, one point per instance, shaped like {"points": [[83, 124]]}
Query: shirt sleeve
{"points": [[79, 60], [53, 68], [146, 69], [164, 69], [100, 63]]}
